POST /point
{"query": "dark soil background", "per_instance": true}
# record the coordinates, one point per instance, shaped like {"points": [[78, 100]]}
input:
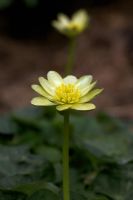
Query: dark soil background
{"points": [[29, 47]]}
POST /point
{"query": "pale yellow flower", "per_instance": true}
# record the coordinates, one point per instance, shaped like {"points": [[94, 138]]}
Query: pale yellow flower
{"points": [[74, 26], [65, 93]]}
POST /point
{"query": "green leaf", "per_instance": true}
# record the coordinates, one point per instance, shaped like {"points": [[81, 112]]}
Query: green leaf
{"points": [[51, 154], [44, 194], [31, 188], [78, 190], [86, 195], [116, 183], [30, 113], [19, 166], [11, 195], [91, 137], [7, 126], [33, 122]]}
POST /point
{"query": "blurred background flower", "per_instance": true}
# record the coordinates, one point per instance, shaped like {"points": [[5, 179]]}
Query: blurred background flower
{"points": [[73, 26]]}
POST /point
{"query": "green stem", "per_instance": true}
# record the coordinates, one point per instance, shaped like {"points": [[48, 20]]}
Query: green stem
{"points": [[71, 56], [66, 192]]}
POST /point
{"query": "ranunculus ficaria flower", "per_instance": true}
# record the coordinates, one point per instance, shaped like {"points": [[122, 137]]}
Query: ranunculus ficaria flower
{"points": [[71, 27], [65, 93]]}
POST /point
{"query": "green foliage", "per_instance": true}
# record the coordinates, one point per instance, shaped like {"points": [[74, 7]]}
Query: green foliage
{"points": [[11, 195], [101, 157], [44, 194], [116, 183], [108, 142], [6, 3]]}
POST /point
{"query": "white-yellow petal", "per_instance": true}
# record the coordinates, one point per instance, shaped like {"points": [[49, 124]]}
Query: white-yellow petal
{"points": [[54, 78], [57, 25], [61, 23], [70, 79], [90, 95], [81, 17], [65, 93], [41, 91], [85, 106], [88, 88], [84, 81], [63, 19], [63, 107], [41, 101], [45, 84]]}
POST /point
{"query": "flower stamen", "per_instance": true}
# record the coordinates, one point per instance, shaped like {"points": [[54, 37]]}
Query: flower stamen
{"points": [[67, 93]]}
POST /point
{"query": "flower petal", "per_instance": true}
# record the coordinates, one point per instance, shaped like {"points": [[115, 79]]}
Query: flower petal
{"points": [[63, 107], [63, 19], [81, 17], [85, 106], [84, 81], [70, 79], [45, 84], [54, 78], [41, 91], [90, 95], [61, 23], [57, 25], [85, 90], [41, 101]]}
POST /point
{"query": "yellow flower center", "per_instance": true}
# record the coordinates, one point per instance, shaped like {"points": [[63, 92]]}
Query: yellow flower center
{"points": [[73, 26], [67, 94]]}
